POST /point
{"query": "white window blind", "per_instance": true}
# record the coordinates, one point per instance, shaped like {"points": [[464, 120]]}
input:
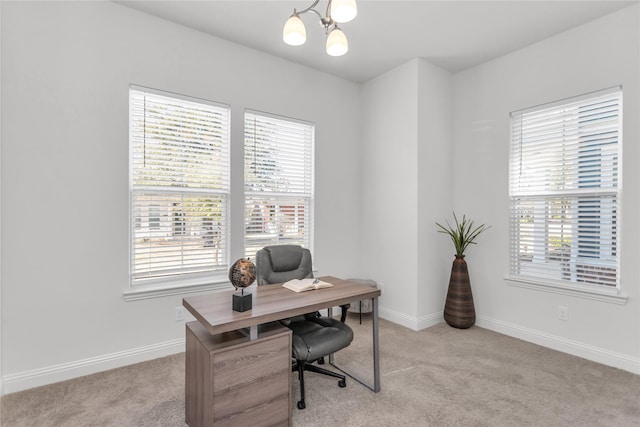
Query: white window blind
{"points": [[179, 187], [565, 190], [278, 181]]}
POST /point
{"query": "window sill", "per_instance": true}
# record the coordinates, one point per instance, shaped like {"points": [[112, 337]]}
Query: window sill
{"points": [[142, 292], [612, 296]]}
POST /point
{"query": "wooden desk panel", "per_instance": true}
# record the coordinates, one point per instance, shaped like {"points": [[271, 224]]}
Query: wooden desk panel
{"points": [[232, 381], [271, 303]]}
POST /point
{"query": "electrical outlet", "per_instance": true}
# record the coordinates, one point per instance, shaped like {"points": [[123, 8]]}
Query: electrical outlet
{"points": [[563, 312], [179, 314]]}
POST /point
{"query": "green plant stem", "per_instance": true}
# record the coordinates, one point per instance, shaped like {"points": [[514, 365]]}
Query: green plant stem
{"points": [[463, 234]]}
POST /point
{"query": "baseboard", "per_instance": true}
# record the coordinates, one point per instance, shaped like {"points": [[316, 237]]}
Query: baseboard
{"points": [[430, 320], [39, 377], [52, 374], [575, 348], [415, 323]]}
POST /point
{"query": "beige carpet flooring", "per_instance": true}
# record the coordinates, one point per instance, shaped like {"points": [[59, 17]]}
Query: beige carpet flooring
{"points": [[439, 376]]}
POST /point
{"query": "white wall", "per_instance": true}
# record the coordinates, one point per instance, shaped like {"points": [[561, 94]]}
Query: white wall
{"points": [[390, 189], [435, 195], [66, 69], [406, 178], [598, 55]]}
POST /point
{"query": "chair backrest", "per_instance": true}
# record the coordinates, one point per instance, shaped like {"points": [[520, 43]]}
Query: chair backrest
{"points": [[279, 263]]}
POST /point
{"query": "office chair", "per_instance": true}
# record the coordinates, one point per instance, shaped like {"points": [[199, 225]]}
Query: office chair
{"points": [[314, 336]]}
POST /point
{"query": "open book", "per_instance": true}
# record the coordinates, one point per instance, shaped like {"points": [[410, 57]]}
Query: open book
{"points": [[301, 285]]}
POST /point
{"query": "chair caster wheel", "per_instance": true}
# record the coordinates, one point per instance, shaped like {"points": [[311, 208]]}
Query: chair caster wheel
{"points": [[342, 383], [321, 361], [301, 404]]}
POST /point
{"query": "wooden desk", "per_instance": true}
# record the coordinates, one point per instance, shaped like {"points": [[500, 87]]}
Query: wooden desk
{"points": [[271, 303]]}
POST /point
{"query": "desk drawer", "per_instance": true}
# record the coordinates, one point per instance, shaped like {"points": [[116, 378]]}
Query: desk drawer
{"points": [[234, 381]]}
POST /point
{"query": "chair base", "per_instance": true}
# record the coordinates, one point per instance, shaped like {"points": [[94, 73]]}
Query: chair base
{"points": [[302, 366]]}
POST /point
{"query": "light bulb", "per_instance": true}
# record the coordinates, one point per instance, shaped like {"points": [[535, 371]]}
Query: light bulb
{"points": [[337, 44], [343, 10], [294, 33]]}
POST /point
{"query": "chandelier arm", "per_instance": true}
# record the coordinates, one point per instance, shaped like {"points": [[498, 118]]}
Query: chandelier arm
{"points": [[326, 22], [314, 11], [311, 9]]}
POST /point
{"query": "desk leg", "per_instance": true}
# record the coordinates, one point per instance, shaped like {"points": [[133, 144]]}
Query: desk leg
{"points": [[376, 354], [251, 332], [376, 347]]}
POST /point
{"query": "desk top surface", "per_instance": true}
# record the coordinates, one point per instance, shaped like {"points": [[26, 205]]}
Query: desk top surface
{"points": [[271, 303]]}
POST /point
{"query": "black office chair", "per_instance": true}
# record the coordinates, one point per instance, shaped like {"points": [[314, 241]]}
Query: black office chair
{"points": [[314, 336]]}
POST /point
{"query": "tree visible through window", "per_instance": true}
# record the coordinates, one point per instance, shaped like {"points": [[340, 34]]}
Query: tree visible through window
{"points": [[278, 181], [179, 187], [565, 189]]}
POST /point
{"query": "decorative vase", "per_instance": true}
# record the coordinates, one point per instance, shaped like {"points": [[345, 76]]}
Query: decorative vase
{"points": [[459, 310]]}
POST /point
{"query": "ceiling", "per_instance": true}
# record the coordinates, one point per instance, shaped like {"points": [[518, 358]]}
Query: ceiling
{"points": [[451, 34]]}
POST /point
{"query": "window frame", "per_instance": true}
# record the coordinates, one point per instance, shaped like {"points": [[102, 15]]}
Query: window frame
{"points": [[179, 193], [585, 188]]}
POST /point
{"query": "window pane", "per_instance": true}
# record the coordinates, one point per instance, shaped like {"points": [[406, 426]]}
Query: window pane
{"points": [[278, 182], [178, 234], [179, 187], [564, 190]]}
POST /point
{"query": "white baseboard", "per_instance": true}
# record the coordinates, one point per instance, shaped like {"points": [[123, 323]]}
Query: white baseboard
{"points": [[399, 318], [575, 348], [52, 374], [430, 320], [415, 323], [39, 377]]}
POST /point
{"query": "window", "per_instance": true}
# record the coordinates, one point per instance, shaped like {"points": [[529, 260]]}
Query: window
{"points": [[278, 181], [179, 188], [565, 190]]}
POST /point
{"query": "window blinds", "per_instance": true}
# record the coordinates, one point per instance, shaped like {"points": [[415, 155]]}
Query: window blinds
{"points": [[278, 181], [565, 189], [179, 165]]}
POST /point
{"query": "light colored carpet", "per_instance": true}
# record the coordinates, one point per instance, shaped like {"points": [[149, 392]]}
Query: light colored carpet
{"points": [[439, 376]]}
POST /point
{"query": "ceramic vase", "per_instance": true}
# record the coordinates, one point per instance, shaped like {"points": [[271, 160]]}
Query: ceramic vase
{"points": [[459, 310]]}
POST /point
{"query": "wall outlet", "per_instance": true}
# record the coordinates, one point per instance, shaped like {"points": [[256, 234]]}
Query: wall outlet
{"points": [[179, 314], [563, 312]]}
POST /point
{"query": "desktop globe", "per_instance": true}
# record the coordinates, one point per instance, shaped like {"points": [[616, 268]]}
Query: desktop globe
{"points": [[242, 274]]}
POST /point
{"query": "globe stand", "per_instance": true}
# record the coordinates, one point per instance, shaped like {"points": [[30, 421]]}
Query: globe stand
{"points": [[242, 301]]}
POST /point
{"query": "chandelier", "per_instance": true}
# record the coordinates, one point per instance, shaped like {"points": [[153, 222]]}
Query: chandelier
{"points": [[338, 12]]}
